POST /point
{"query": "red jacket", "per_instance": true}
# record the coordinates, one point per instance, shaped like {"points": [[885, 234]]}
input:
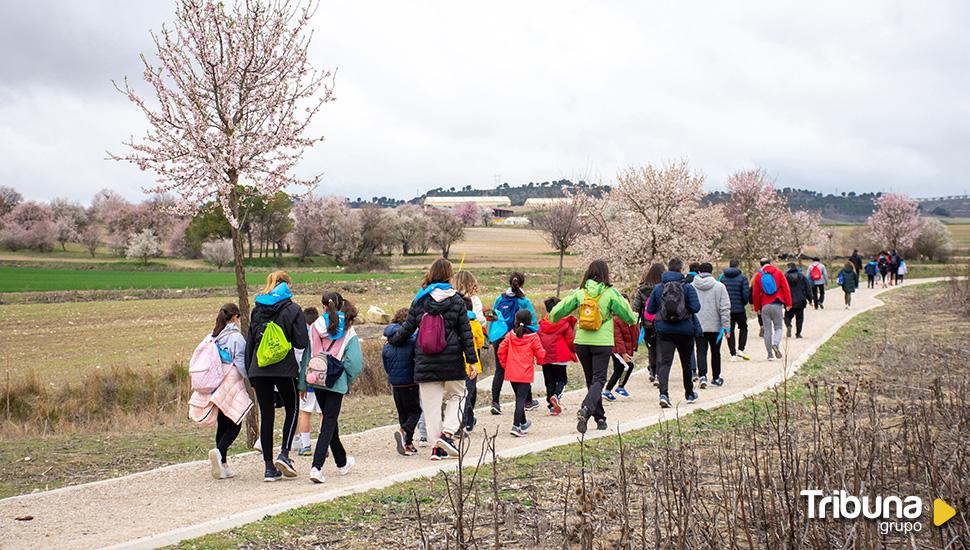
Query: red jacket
{"points": [[519, 356], [558, 339], [783, 292], [625, 337]]}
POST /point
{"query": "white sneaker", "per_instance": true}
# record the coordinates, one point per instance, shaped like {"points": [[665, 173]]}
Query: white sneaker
{"points": [[215, 464], [258, 445], [744, 356], [347, 467], [227, 472], [316, 475], [733, 358]]}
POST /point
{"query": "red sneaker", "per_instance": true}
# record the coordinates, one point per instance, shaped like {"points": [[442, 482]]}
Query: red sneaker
{"points": [[556, 407]]}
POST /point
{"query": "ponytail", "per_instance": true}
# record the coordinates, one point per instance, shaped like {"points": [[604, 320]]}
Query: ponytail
{"points": [[226, 312], [516, 282], [337, 305], [523, 318]]}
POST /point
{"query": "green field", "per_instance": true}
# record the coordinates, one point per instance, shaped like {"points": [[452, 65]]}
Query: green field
{"points": [[37, 279]]}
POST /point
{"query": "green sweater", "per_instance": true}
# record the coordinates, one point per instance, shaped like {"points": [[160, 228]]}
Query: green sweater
{"points": [[353, 365], [611, 303]]}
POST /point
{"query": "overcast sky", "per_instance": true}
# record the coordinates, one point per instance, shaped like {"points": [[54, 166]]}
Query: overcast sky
{"points": [[832, 96]]}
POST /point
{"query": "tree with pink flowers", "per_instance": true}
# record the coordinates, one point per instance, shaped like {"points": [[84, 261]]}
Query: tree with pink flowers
{"points": [[233, 96], [757, 218], [469, 213], [895, 223]]}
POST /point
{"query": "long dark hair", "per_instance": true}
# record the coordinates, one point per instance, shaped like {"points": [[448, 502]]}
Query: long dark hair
{"points": [[651, 277], [597, 271], [523, 318], [335, 304], [226, 312], [516, 282]]}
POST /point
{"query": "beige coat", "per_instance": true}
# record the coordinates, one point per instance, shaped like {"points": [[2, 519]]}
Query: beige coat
{"points": [[230, 397]]}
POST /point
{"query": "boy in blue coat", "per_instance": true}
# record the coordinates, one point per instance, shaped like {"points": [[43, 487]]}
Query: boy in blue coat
{"points": [[399, 366]]}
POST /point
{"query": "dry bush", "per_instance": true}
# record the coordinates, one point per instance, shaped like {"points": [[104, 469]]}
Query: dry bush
{"points": [[958, 291], [372, 379]]}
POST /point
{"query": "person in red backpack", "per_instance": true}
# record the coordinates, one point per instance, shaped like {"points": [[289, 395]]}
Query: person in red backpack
{"points": [[626, 340], [771, 296], [817, 277], [558, 339], [519, 351], [445, 344]]}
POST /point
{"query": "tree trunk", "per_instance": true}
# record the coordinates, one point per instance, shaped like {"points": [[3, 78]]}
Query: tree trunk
{"points": [[242, 293], [562, 252]]}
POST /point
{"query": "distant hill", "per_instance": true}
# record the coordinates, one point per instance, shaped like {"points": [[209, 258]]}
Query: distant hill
{"points": [[519, 193], [846, 207]]}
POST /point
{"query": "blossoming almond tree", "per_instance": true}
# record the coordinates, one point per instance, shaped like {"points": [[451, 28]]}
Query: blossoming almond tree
{"points": [[234, 94], [650, 215], [896, 223], [756, 217], [802, 229]]}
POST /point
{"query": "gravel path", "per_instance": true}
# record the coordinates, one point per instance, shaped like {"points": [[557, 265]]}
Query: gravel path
{"points": [[168, 504]]}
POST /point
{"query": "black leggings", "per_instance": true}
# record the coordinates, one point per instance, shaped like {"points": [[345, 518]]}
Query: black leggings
{"points": [[596, 362], [620, 374], [555, 378], [407, 401], [329, 431], [522, 391], [709, 340], [265, 397], [226, 433]]}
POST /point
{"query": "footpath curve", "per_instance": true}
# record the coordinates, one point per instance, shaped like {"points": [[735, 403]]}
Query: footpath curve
{"points": [[165, 505]]}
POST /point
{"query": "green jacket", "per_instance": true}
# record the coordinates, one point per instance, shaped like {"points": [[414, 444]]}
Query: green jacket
{"points": [[353, 365], [611, 303]]}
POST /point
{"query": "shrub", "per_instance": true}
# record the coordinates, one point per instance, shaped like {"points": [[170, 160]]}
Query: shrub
{"points": [[218, 253], [28, 226], [143, 246]]}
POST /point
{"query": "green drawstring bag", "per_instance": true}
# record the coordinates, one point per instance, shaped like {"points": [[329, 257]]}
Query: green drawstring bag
{"points": [[273, 346]]}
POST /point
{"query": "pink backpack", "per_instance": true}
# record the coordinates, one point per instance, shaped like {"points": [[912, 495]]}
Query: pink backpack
{"points": [[205, 366], [431, 334]]}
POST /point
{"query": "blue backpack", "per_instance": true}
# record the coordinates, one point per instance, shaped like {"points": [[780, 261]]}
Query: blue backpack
{"points": [[506, 308], [768, 283]]}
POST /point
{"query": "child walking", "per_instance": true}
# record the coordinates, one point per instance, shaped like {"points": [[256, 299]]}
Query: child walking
{"points": [[467, 286], [626, 340], [336, 348], [399, 366], [519, 351], [558, 342], [849, 281], [308, 403]]}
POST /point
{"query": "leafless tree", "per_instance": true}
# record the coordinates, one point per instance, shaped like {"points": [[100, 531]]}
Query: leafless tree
{"points": [[561, 226]]}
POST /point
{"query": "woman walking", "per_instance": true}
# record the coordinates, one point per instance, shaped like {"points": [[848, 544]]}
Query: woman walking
{"points": [[597, 302], [650, 279], [849, 281], [276, 327], [445, 344]]}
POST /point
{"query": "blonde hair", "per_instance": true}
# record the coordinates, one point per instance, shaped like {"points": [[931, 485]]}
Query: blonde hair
{"points": [[465, 283], [274, 279]]}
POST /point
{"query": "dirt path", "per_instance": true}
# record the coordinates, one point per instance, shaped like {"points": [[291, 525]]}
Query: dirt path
{"points": [[169, 504]]}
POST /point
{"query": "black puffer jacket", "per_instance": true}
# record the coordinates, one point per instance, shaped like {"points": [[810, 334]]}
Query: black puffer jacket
{"points": [[289, 317], [800, 287], [450, 363], [738, 289], [640, 299]]}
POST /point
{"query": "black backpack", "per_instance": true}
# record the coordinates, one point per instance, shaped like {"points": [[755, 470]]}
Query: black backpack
{"points": [[673, 305]]}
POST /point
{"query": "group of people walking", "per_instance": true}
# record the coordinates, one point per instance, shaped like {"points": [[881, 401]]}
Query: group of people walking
{"points": [[306, 360]]}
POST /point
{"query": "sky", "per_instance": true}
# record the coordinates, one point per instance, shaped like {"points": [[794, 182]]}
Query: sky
{"points": [[831, 96]]}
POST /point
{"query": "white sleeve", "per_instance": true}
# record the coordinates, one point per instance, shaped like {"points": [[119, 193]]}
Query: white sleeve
{"points": [[478, 310]]}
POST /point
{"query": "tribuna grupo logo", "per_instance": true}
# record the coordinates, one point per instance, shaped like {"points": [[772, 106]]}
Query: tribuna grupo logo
{"points": [[894, 513]]}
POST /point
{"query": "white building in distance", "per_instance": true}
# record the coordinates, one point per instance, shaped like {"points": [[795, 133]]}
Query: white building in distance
{"points": [[542, 203], [481, 201]]}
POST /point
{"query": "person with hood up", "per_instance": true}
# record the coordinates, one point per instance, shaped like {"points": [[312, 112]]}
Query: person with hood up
{"points": [[818, 276], [558, 341], [650, 279], [849, 281], [504, 309], [333, 334], [398, 363], [770, 295], [715, 319], [856, 260], [445, 345], [871, 269], [597, 302], [674, 303], [739, 290], [801, 291], [274, 305], [519, 352]]}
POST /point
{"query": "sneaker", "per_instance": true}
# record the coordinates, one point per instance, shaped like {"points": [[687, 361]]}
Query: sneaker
{"points": [[608, 395], [227, 471], [316, 475], [788, 332], [305, 451], [582, 416], [258, 445], [555, 406], [664, 402], [346, 468], [718, 381], [761, 331], [601, 425], [471, 425], [438, 453], [653, 377], [656, 381], [215, 464], [410, 450], [272, 474], [703, 382], [285, 465], [777, 351], [821, 306], [399, 442], [423, 442], [692, 397], [622, 392], [733, 358], [771, 356], [496, 408], [517, 432], [743, 355], [799, 336], [446, 443], [532, 405], [525, 427]]}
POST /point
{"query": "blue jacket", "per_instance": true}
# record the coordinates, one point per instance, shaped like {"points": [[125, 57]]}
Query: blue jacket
{"points": [[499, 328], [398, 360], [738, 289], [685, 327], [871, 269]]}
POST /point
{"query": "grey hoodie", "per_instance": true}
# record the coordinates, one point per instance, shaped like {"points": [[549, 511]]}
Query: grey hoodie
{"points": [[232, 340], [715, 312]]}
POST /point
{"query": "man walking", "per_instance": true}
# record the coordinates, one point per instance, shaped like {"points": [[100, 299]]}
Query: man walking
{"points": [[800, 292], [740, 293], [818, 276], [674, 302], [770, 295], [714, 318]]}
